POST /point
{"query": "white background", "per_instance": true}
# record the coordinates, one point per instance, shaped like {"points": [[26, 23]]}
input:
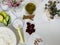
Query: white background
{"points": [[48, 30]]}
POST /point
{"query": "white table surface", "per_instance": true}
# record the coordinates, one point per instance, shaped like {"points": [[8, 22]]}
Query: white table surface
{"points": [[48, 30]]}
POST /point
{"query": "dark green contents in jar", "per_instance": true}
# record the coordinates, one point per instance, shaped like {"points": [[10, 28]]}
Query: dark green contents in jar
{"points": [[51, 6], [30, 8]]}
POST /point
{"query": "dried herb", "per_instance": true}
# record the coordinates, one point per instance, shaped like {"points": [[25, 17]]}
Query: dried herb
{"points": [[51, 6], [37, 41], [30, 28], [14, 3]]}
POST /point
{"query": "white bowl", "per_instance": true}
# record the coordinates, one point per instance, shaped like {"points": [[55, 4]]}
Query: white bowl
{"points": [[7, 36]]}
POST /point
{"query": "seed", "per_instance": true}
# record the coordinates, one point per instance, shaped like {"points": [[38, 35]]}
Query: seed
{"points": [[45, 4], [52, 17], [45, 7], [54, 1], [28, 23], [49, 1], [58, 2]]}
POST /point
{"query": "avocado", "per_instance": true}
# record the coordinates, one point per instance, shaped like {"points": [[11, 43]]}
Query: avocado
{"points": [[8, 19], [4, 18], [5, 22], [1, 18], [4, 13]]}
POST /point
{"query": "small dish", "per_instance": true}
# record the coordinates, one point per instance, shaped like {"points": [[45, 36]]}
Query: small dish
{"points": [[34, 39], [19, 22], [4, 7]]}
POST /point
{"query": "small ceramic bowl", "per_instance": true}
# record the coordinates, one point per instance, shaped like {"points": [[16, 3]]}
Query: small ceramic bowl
{"points": [[34, 39], [18, 21], [5, 5]]}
